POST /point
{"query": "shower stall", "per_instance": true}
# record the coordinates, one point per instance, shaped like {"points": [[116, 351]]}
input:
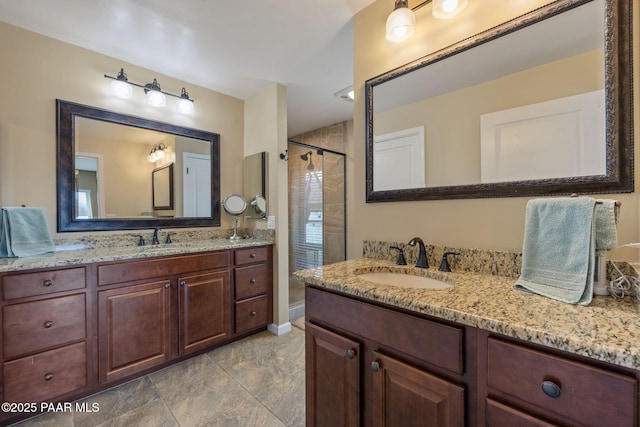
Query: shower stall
{"points": [[317, 222]]}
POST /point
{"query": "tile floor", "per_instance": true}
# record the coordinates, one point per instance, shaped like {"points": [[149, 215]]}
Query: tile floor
{"points": [[257, 381]]}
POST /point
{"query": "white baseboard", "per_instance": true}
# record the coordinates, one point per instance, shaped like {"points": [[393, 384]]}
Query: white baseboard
{"points": [[279, 329]]}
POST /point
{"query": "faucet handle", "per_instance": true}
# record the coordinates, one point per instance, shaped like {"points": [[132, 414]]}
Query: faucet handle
{"points": [[168, 239], [401, 259], [444, 264], [140, 240]]}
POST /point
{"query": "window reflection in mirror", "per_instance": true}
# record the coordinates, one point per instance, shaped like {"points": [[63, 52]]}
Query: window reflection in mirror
{"points": [[256, 184]]}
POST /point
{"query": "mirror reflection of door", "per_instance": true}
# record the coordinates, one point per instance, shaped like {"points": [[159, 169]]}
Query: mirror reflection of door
{"points": [[89, 186], [196, 185]]}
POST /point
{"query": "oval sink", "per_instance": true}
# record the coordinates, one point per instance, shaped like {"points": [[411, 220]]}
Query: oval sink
{"points": [[404, 280]]}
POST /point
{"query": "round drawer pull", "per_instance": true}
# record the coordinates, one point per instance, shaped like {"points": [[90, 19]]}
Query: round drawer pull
{"points": [[48, 324], [375, 366], [47, 283], [252, 255], [252, 281], [48, 377], [183, 283], [551, 389], [351, 353], [253, 313]]}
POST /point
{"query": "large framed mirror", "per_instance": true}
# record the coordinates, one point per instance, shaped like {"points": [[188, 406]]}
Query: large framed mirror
{"points": [[540, 105], [105, 170]]}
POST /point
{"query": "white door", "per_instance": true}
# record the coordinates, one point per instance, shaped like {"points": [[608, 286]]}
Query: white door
{"points": [[399, 160], [196, 177]]}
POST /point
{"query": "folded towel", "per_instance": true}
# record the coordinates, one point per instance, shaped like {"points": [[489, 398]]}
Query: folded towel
{"points": [[606, 218], [24, 232], [559, 249]]}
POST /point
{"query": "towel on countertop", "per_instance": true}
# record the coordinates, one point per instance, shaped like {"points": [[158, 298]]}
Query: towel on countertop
{"points": [[558, 254], [24, 232], [606, 214]]}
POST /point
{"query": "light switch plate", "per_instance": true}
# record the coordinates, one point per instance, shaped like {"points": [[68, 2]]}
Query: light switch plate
{"points": [[271, 222]]}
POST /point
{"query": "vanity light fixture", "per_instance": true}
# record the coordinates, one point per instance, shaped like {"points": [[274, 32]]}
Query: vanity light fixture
{"points": [[157, 153], [122, 87], [401, 24], [155, 97]]}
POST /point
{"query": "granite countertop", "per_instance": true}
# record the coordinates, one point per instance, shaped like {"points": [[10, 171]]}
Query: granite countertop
{"points": [[77, 254], [607, 329]]}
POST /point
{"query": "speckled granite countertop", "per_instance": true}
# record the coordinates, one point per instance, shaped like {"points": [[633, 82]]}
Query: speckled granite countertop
{"points": [[71, 256], [607, 329]]}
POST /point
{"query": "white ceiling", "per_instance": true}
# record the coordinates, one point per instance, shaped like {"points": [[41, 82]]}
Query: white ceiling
{"points": [[237, 47]]}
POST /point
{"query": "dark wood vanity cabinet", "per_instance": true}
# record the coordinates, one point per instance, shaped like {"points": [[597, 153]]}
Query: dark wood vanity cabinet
{"points": [[368, 365], [44, 335], [69, 332]]}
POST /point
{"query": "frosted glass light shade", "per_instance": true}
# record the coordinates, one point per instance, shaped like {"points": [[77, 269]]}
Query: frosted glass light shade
{"points": [[447, 9], [401, 25], [121, 89], [156, 98]]}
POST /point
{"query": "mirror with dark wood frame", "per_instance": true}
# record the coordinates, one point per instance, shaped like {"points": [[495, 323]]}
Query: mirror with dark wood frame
{"points": [[442, 127], [201, 209]]}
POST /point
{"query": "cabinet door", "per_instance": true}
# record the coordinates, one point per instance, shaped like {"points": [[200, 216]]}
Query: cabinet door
{"points": [[406, 396], [332, 379], [134, 330], [205, 314]]}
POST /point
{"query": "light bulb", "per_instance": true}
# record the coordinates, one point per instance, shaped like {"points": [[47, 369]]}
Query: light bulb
{"points": [[401, 24], [184, 106], [447, 9], [121, 89], [156, 99]]}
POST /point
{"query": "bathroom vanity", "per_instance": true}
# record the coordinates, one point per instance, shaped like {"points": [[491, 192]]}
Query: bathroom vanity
{"points": [[479, 353], [70, 331]]}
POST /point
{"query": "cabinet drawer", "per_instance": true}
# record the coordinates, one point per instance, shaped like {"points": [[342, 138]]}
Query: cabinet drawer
{"points": [[46, 375], [498, 414], [37, 325], [109, 274], [584, 390], [251, 314], [251, 255], [251, 281], [42, 282], [433, 342]]}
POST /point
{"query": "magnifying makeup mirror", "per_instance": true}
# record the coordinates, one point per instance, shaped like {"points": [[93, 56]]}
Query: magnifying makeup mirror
{"points": [[234, 205], [259, 204]]}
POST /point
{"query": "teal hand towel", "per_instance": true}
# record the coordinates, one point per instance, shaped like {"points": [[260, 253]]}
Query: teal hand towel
{"points": [[24, 232], [558, 254], [606, 214]]}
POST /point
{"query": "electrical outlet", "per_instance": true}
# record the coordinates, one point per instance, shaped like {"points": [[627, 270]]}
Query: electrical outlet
{"points": [[271, 222]]}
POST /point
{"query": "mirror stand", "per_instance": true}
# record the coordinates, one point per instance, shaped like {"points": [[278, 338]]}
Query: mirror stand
{"points": [[235, 229]]}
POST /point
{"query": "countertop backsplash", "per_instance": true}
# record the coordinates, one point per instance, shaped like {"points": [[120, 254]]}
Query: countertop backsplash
{"points": [[481, 261], [103, 241]]}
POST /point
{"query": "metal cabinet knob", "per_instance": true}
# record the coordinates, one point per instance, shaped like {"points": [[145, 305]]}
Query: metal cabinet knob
{"points": [[253, 313], [167, 285], [351, 353], [551, 389], [183, 283], [252, 281], [375, 366], [47, 283], [48, 377], [47, 324], [252, 255]]}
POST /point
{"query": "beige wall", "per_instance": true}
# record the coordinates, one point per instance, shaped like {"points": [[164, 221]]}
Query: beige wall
{"points": [[481, 223], [36, 70], [266, 130]]}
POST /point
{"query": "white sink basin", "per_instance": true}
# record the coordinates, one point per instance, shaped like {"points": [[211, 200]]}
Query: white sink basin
{"points": [[404, 280]]}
